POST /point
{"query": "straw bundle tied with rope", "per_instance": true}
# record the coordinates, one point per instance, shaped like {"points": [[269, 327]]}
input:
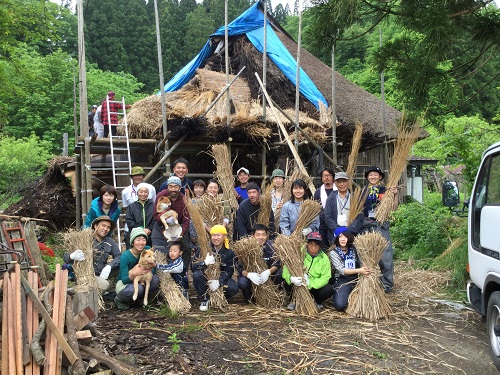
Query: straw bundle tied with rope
{"points": [[402, 149], [217, 297], [199, 226], [287, 189], [289, 250], [249, 252], [353, 156], [368, 299], [356, 204], [84, 269], [171, 291], [224, 173], [309, 210], [265, 206]]}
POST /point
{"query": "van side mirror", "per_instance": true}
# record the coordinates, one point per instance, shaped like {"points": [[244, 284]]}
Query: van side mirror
{"points": [[451, 196]]}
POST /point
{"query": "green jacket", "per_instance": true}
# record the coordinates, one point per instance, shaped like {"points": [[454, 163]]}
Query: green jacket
{"points": [[318, 269]]}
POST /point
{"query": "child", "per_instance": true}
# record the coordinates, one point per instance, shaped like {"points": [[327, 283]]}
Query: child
{"points": [[176, 267], [346, 266]]}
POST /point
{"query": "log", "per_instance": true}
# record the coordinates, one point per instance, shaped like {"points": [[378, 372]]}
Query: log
{"points": [[5, 325], [30, 236], [119, 368], [78, 367], [36, 348], [16, 286], [50, 323], [86, 296], [83, 318]]}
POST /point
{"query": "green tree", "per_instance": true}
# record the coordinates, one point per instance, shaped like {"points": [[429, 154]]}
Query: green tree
{"points": [[199, 27]]}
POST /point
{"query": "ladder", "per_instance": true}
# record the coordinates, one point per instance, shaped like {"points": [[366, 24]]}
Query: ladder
{"points": [[120, 152]]}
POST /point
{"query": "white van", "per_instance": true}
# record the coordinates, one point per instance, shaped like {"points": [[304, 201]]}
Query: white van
{"points": [[483, 290]]}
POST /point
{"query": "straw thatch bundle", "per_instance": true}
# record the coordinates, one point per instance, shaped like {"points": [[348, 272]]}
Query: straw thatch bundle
{"points": [[404, 143], [84, 269], [309, 210], [217, 297], [356, 204], [368, 299], [199, 226], [171, 291], [266, 202], [224, 173], [289, 250], [211, 209], [353, 156]]}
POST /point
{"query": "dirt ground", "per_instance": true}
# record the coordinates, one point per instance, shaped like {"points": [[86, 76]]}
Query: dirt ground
{"points": [[422, 336]]}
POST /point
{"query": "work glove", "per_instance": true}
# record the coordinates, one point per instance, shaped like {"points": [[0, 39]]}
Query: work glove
{"points": [[306, 279], [171, 220], [254, 277], [77, 255], [105, 272], [296, 280], [264, 275], [306, 231], [213, 285], [209, 260]]}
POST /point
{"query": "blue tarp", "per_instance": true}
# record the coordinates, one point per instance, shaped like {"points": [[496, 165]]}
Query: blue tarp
{"points": [[251, 23]]}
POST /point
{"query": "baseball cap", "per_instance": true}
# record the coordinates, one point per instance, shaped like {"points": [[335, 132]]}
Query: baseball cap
{"points": [[242, 169]]}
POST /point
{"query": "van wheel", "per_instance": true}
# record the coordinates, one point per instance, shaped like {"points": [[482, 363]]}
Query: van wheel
{"points": [[492, 320]]}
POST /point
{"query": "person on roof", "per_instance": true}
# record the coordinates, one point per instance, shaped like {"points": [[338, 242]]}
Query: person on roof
{"points": [[114, 107]]}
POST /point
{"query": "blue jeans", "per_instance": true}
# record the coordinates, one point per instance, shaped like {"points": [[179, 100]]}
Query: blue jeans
{"points": [[341, 291], [127, 293]]}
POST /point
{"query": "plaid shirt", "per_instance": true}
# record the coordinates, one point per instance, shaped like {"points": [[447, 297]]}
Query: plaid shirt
{"points": [[113, 107]]}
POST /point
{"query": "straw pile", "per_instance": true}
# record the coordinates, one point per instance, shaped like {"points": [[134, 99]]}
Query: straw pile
{"points": [[356, 204], [171, 291], [249, 253], [217, 298], [402, 149], [309, 210], [353, 156], [288, 249], [265, 206], [224, 173], [84, 270], [368, 299]]}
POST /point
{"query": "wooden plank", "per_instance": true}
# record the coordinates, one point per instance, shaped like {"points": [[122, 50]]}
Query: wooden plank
{"points": [[5, 324], [12, 328], [50, 343], [24, 324], [83, 318], [28, 369], [31, 240], [50, 323], [62, 314], [16, 286], [85, 334], [36, 321]]}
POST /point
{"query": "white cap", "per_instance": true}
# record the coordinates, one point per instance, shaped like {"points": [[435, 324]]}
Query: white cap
{"points": [[242, 169]]}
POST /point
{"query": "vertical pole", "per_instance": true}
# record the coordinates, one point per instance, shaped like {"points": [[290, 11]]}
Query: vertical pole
{"points": [[162, 82], [297, 84], [78, 190], [65, 144], [226, 61], [382, 95], [84, 126], [334, 110], [264, 65]]}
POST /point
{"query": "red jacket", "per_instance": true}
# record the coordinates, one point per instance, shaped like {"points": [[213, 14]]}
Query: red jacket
{"points": [[179, 206]]}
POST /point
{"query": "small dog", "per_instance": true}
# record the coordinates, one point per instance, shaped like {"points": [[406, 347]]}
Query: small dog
{"points": [[173, 230], [147, 261]]}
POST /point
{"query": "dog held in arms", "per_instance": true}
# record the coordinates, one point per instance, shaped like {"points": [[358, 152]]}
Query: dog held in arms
{"points": [[173, 230], [147, 261]]}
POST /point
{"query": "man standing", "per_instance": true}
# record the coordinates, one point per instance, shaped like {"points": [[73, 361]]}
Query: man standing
{"points": [[321, 195], [242, 191], [98, 126], [113, 116], [178, 204], [248, 213], [103, 248], [91, 115], [129, 195], [180, 168]]}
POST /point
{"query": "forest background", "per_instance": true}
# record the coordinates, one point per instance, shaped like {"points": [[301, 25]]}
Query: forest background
{"points": [[440, 61]]}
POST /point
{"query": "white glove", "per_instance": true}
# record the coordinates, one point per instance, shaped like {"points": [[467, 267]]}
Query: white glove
{"points": [[105, 272], [209, 260], [306, 231], [296, 280], [213, 285], [77, 255], [264, 275], [254, 277], [306, 279]]}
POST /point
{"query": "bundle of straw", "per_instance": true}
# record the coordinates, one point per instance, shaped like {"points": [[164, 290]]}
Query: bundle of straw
{"points": [[402, 149], [288, 249], [199, 226], [211, 209], [171, 291], [224, 173], [265, 206], [249, 253], [84, 270], [356, 204], [368, 299], [309, 210], [353, 156], [217, 298]]}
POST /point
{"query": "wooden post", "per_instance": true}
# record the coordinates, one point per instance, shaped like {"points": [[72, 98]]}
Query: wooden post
{"points": [[65, 144], [86, 297], [16, 287], [11, 328], [334, 112], [5, 326], [226, 61], [87, 176], [297, 86], [30, 236]]}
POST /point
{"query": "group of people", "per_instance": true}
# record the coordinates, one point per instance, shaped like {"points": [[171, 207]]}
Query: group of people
{"points": [[330, 259], [98, 117]]}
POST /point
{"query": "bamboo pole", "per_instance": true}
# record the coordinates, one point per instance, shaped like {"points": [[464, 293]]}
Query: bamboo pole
{"points": [[264, 65], [226, 62], [297, 86], [334, 113]]}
